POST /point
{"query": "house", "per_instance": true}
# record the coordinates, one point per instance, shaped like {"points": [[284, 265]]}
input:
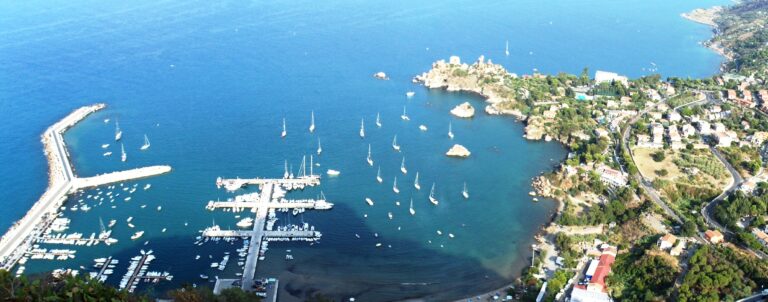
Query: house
{"points": [[714, 236], [678, 249], [674, 116], [675, 141], [644, 141], [454, 60], [654, 115], [688, 130], [666, 242], [731, 95], [583, 295], [719, 127], [605, 76], [723, 139], [761, 236], [758, 138], [601, 132], [657, 130], [612, 177], [662, 107], [704, 128]]}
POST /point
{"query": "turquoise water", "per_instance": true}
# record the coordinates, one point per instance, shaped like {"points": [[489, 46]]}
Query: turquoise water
{"points": [[210, 82]]}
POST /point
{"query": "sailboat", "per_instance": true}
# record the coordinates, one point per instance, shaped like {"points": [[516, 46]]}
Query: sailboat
{"points": [[285, 175], [285, 132], [402, 167], [464, 192], [394, 186], [378, 175], [369, 201], [118, 132], [394, 144], [362, 128], [145, 146], [369, 159], [378, 120], [405, 115], [319, 147], [410, 209], [312, 125], [124, 156], [416, 182], [450, 130], [506, 49], [432, 198]]}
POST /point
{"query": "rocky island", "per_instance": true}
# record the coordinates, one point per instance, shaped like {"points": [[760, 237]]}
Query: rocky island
{"points": [[458, 151], [464, 110]]}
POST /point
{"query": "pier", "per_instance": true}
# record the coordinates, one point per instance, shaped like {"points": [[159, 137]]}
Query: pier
{"points": [[268, 200], [62, 181], [137, 271]]}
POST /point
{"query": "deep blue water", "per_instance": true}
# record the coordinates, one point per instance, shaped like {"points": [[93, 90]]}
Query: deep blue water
{"points": [[210, 82]]}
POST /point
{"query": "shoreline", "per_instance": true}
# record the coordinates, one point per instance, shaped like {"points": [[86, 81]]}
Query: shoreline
{"points": [[708, 17]]}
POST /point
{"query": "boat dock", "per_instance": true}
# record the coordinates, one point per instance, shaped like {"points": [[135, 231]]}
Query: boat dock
{"points": [[137, 271], [62, 181], [269, 199], [102, 274]]}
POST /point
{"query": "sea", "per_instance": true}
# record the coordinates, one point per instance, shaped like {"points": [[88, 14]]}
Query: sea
{"points": [[209, 83]]}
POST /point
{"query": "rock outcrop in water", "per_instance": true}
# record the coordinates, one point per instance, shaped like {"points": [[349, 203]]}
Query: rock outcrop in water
{"points": [[458, 151], [464, 110]]}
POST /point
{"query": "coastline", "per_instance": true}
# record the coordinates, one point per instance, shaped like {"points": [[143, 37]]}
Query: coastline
{"points": [[708, 17]]}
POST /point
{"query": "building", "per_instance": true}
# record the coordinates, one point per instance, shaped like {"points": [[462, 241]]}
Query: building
{"points": [[688, 130], [678, 249], [605, 76], [598, 270], [704, 128], [600, 132], [612, 177], [583, 295], [674, 116], [714, 236], [657, 130], [719, 127], [758, 138], [723, 139], [761, 236], [654, 115], [454, 60], [731, 95], [666, 242]]}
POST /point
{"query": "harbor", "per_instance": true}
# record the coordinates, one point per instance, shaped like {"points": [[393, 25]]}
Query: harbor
{"points": [[63, 181], [264, 204]]}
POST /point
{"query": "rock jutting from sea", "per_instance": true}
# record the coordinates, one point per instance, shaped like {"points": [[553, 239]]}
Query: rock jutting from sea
{"points": [[464, 110], [458, 151]]}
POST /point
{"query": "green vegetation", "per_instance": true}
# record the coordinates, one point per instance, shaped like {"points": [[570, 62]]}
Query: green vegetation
{"points": [[707, 164], [721, 274], [642, 277], [744, 34], [614, 211], [745, 159], [658, 156], [738, 205]]}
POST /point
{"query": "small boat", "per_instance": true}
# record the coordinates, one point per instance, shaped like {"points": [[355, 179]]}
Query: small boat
{"points": [[378, 120], [204, 277], [285, 131], [137, 235], [319, 147], [432, 198], [378, 176], [108, 153], [405, 115], [464, 192], [112, 223], [362, 128], [312, 124], [163, 230], [123, 156], [450, 131], [145, 146], [416, 182], [332, 172], [369, 159], [245, 222], [389, 214], [129, 219], [394, 187], [439, 232], [402, 167], [506, 49], [104, 146], [106, 120], [369, 201], [394, 144], [410, 94], [378, 245], [450, 235], [422, 127], [159, 208], [410, 209], [130, 225], [118, 132], [147, 186]]}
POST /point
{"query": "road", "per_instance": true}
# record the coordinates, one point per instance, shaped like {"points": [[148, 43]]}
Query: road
{"points": [[640, 180]]}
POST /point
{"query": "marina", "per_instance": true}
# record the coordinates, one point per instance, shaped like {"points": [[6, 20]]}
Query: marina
{"points": [[264, 204]]}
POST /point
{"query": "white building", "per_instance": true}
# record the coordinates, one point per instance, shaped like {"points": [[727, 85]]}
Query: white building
{"points": [[612, 177], [605, 76]]}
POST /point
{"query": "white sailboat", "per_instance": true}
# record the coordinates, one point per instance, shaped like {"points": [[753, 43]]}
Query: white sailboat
{"points": [[416, 182], [410, 209], [405, 115], [285, 175], [285, 132], [394, 187], [369, 159], [319, 147], [506, 49], [432, 198], [464, 192], [402, 166], [394, 144], [389, 214], [124, 156], [145, 146], [118, 132], [378, 176], [312, 125], [369, 201], [450, 130], [362, 128], [378, 120]]}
